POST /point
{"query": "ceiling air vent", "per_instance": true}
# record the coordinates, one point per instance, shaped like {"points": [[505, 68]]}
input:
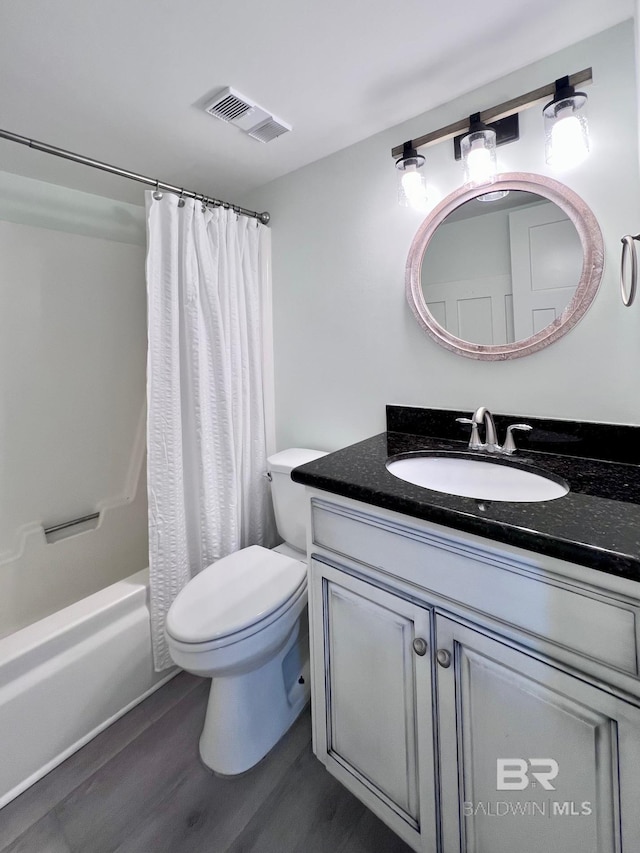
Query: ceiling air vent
{"points": [[269, 129], [234, 108], [229, 105]]}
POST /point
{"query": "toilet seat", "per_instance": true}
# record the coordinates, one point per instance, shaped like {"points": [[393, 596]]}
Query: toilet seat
{"points": [[229, 640], [235, 597]]}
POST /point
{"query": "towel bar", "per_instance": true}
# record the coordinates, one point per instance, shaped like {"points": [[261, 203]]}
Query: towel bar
{"points": [[55, 527]]}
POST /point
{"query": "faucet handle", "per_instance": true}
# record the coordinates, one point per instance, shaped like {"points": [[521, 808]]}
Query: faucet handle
{"points": [[474, 440], [509, 445]]}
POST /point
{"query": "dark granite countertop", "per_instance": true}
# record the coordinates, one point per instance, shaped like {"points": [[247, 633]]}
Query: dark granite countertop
{"points": [[597, 524]]}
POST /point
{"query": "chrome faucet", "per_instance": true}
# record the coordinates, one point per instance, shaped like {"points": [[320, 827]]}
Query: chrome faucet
{"points": [[483, 416]]}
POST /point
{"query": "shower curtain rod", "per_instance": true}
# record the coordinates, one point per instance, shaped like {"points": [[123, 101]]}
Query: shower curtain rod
{"points": [[132, 176]]}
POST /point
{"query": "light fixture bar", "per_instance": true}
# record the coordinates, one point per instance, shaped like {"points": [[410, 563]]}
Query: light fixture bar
{"points": [[515, 105]]}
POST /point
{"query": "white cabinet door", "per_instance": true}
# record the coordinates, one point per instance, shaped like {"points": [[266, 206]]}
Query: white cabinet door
{"points": [[372, 699], [531, 758]]}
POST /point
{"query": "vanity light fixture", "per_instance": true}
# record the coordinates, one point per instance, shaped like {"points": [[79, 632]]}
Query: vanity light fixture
{"points": [[566, 123], [565, 126], [478, 151], [412, 182]]}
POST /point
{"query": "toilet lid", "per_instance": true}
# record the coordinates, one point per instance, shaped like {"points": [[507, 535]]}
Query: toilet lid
{"points": [[233, 593]]}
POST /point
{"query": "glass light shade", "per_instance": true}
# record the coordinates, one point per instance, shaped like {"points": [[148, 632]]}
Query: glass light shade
{"points": [[494, 196], [412, 187], [566, 131], [478, 150]]}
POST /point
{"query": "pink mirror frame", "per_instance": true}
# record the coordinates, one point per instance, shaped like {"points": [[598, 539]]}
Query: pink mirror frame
{"points": [[592, 266]]}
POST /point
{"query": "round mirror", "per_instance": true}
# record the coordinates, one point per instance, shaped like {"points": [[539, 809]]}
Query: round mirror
{"points": [[503, 274]]}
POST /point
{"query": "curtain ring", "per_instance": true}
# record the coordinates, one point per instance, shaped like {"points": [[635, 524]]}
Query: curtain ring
{"points": [[157, 194], [204, 205], [628, 294], [181, 199]]}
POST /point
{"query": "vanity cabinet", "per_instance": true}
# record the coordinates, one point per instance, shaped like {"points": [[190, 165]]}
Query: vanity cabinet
{"points": [[462, 732]]}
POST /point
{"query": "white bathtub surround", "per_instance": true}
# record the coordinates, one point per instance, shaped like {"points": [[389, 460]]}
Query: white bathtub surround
{"points": [[66, 678], [206, 433], [72, 374]]}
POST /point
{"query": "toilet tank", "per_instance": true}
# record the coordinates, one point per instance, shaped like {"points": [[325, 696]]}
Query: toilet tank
{"points": [[288, 497]]}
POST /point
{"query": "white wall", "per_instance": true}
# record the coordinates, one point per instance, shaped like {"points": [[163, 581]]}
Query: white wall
{"points": [[346, 342], [636, 21], [72, 394]]}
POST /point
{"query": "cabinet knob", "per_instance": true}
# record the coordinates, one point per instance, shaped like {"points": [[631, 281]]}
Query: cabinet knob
{"points": [[420, 646], [444, 658]]}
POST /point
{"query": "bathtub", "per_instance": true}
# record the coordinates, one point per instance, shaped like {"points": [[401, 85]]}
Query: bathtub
{"points": [[68, 676]]}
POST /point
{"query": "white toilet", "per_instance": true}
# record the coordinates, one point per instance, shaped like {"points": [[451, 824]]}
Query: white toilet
{"points": [[242, 622]]}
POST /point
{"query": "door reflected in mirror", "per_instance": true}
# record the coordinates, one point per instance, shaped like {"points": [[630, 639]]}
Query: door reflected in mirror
{"points": [[498, 272]]}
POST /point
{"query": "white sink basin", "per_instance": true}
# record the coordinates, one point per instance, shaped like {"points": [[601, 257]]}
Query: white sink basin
{"points": [[481, 478]]}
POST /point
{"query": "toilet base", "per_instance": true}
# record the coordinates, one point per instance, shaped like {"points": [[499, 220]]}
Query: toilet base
{"points": [[247, 714]]}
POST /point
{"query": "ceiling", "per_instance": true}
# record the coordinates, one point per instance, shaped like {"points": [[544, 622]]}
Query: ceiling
{"points": [[125, 81]]}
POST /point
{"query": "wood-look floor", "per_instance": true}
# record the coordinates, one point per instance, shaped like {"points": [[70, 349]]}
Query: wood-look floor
{"points": [[139, 787]]}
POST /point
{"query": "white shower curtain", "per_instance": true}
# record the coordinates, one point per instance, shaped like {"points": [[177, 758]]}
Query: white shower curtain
{"points": [[207, 288]]}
